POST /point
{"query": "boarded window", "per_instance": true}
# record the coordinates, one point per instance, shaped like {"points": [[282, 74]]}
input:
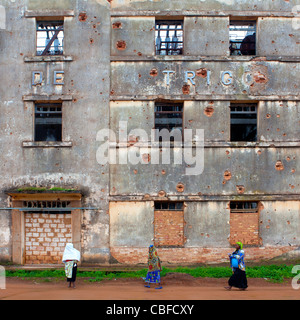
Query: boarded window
{"points": [[168, 224], [49, 38], [244, 222], [48, 122], [243, 122], [242, 37], [169, 37]]}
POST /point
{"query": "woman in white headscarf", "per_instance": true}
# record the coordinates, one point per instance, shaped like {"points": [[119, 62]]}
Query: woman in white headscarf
{"points": [[70, 258]]}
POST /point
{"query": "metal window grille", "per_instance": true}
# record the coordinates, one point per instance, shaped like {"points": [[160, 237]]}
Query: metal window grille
{"points": [[49, 38], [243, 206], [243, 121], [169, 37], [168, 116], [165, 205], [46, 204], [48, 122], [242, 38]]}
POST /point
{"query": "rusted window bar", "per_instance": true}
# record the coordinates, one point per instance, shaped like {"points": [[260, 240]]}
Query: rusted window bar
{"points": [[169, 37]]}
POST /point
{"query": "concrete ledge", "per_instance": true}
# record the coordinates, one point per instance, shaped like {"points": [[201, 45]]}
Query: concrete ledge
{"points": [[47, 144]]}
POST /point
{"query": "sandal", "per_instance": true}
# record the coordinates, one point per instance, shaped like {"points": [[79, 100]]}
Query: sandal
{"points": [[158, 288]]}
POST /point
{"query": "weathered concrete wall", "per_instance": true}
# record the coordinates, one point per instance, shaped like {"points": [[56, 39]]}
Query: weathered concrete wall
{"points": [[111, 74], [85, 96], [215, 6]]}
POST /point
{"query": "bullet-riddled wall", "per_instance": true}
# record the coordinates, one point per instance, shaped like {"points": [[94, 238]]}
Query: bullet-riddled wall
{"points": [[110, 77]]}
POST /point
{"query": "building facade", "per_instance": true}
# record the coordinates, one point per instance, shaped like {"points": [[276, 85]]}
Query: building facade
{"points": [[87, 87]]}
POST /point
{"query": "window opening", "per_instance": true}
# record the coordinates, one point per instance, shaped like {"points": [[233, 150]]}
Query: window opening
{"points": [[49, 38], [48, 122], [242, 37], [243, 206], [243, 122], [169, 37], [165, 205]]}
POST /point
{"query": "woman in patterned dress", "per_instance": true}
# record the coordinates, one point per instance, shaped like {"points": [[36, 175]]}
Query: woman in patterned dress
{"points": [[154, 268]]}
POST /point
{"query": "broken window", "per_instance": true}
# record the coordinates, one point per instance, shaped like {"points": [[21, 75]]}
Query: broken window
{"points": [[243, 206], [244, 222], [169, 37], [242, 37], [168, 224], [49, 38], [243, 122], [169, 116], [48, 122]]}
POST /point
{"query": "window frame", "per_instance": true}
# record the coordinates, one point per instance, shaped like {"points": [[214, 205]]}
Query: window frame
{"points": [[49, 20], [49, 106], [165, 22], [242, 22], [241, 120]]}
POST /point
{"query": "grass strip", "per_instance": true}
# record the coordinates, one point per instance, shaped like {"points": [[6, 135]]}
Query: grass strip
{"points": [[275, 273]]}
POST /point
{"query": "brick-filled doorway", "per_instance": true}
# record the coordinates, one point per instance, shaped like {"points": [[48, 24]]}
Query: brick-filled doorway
{"points": [[46, 235], [42, 218]]}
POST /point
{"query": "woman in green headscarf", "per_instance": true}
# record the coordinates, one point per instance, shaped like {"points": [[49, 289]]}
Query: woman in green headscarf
{"points": [[238, 278]]}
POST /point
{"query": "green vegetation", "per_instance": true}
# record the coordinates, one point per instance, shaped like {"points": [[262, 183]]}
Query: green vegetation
{"points": [[276, 273]]}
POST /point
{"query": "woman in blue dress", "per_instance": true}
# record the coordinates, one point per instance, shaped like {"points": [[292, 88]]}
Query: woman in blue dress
{"points": [[238, 278]]}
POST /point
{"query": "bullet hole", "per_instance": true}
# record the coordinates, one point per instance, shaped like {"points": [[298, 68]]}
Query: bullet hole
{"points": [[186, 89], [268, 116], [260, 77], [293, 170], [139, 54], [208, 111], [163, 172], [121, 45], [82, 16], [91, 40], [153, 72], [227, 175], [291, 35], [201, 72], [288, 158], [161, 193], [240, 189], [147, 196], [180, 187], [279, 165], [112, 92], [135, 171], [227, 152], [117, 25]]}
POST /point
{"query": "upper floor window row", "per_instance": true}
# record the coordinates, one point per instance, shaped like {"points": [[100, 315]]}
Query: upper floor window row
{"points": [[169, 37]]}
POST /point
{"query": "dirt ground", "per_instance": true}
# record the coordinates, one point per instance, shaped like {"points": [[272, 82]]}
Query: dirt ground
{"points": [[175, 287]]}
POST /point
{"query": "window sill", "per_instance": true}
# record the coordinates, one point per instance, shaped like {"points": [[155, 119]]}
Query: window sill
{"points": [[47, 144], [57, 58]]}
